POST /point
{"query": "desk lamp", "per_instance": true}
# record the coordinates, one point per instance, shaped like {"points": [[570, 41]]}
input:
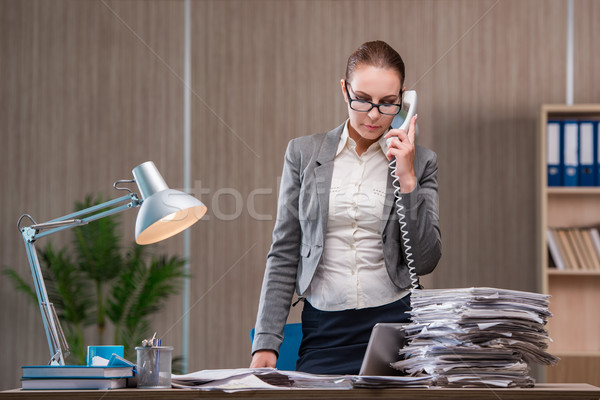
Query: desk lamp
{"points": [[163, 213]]}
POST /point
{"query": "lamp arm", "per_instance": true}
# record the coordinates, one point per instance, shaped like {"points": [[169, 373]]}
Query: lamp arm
{"points": [[71, 220], [57, 343]]}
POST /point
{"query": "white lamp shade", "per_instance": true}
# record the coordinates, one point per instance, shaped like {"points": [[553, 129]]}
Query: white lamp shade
{"points": [[165, 214]]}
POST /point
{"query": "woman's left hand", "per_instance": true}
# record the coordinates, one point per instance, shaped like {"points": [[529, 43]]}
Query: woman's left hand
{"points": [[402, 147]]}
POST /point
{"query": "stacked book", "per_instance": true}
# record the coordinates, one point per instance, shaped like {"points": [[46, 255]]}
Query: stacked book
{"points": [[476, 337], [42, 377], [576, 249]]}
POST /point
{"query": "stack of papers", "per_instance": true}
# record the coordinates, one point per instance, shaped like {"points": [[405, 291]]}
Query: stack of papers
{"points": [[476, 337]]}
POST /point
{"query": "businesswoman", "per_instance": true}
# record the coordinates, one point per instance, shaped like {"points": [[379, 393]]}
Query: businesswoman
{"points": [[337, 239]]}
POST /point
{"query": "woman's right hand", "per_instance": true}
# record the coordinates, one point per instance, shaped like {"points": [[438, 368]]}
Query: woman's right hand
{"points": [[264, 359]]}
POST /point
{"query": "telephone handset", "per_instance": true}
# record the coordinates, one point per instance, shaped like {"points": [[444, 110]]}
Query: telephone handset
{"points": [[408, 110], [401, 121]]}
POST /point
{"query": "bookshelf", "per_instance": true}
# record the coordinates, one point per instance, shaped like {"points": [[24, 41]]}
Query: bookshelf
{"points": [[575, 302]]}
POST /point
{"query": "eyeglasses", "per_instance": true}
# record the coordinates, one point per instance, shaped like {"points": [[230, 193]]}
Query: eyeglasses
{"points": [[366, 106]]}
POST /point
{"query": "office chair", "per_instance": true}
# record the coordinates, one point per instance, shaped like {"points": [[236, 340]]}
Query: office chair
{"points": [[288, 352]]}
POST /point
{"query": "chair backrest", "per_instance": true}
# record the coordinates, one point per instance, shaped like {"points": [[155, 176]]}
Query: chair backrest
{"points": [[288, 352]]}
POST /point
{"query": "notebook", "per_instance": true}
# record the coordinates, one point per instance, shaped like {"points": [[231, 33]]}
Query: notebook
{"points": [[384, 344], [75, 371], [73, 383]]}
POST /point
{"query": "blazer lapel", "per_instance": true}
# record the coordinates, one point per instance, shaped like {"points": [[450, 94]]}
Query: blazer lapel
{"points": [[324, 171]]}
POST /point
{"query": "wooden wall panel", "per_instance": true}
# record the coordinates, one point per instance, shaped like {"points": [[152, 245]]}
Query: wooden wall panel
{"points": [[586, 47], [89, 91], [482, 69], [486, 98], [575, 369], [87, 82]]}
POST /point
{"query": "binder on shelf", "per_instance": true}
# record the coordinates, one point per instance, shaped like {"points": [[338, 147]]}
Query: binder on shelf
{"points": [[571, 153], [553, 153], [597, 147], [587, 167]]}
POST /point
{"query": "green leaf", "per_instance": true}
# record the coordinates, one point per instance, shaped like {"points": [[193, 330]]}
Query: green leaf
{"points": [[77, 345], [21, 285], [127, 286], [97, 244], [68, 287], [141, 291], [163, 279]]}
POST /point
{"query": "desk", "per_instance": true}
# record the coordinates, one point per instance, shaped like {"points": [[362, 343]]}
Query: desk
{"points": [[540, 392]]}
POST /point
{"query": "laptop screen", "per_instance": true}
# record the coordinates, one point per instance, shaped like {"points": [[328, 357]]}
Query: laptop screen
{"points": [[384, 344]]}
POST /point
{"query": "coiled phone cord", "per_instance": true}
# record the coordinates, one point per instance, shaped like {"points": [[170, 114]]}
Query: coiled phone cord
{"points": [[414, 280]]}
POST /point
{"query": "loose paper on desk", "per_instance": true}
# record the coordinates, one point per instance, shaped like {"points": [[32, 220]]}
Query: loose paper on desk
{"points": [[258, 378], [270, 378], [232, 384]]}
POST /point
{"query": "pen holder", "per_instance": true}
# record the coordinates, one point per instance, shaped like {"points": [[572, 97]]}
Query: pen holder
{"points": [[154, 367]]}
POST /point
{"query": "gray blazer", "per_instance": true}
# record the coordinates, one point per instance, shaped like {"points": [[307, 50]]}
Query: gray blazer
{"points": [[299, 232]]}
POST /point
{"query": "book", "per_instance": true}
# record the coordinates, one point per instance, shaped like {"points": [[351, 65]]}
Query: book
{"points": [[590, 251], [595, 240], [554, 250], [578, 248], [588, 248], [566, 249], [75, 371], [73, 383], [574, 248]]}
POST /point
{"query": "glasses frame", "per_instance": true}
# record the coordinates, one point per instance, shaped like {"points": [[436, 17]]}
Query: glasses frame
{"points": [[373, 105]]}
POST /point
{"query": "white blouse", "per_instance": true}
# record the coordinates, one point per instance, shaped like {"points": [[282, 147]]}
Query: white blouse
{"points": [[352, 272]]}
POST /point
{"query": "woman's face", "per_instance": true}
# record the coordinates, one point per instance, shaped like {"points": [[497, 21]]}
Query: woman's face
{"points": [[377, 85]]}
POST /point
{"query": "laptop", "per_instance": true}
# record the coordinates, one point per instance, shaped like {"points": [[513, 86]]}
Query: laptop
{"points": [[384, 344]]}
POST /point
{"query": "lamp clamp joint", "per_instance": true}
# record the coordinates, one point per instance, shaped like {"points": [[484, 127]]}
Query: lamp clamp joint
{"points": [[29, 234]]}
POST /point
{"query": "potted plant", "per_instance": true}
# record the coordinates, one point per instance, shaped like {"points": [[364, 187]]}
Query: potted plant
{"points": [[98, 280]]}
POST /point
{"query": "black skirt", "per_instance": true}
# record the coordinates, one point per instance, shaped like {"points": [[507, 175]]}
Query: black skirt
{"points": [[335, 342]]}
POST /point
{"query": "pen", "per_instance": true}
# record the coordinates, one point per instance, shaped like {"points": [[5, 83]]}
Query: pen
{"points": [[157, 366]]}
